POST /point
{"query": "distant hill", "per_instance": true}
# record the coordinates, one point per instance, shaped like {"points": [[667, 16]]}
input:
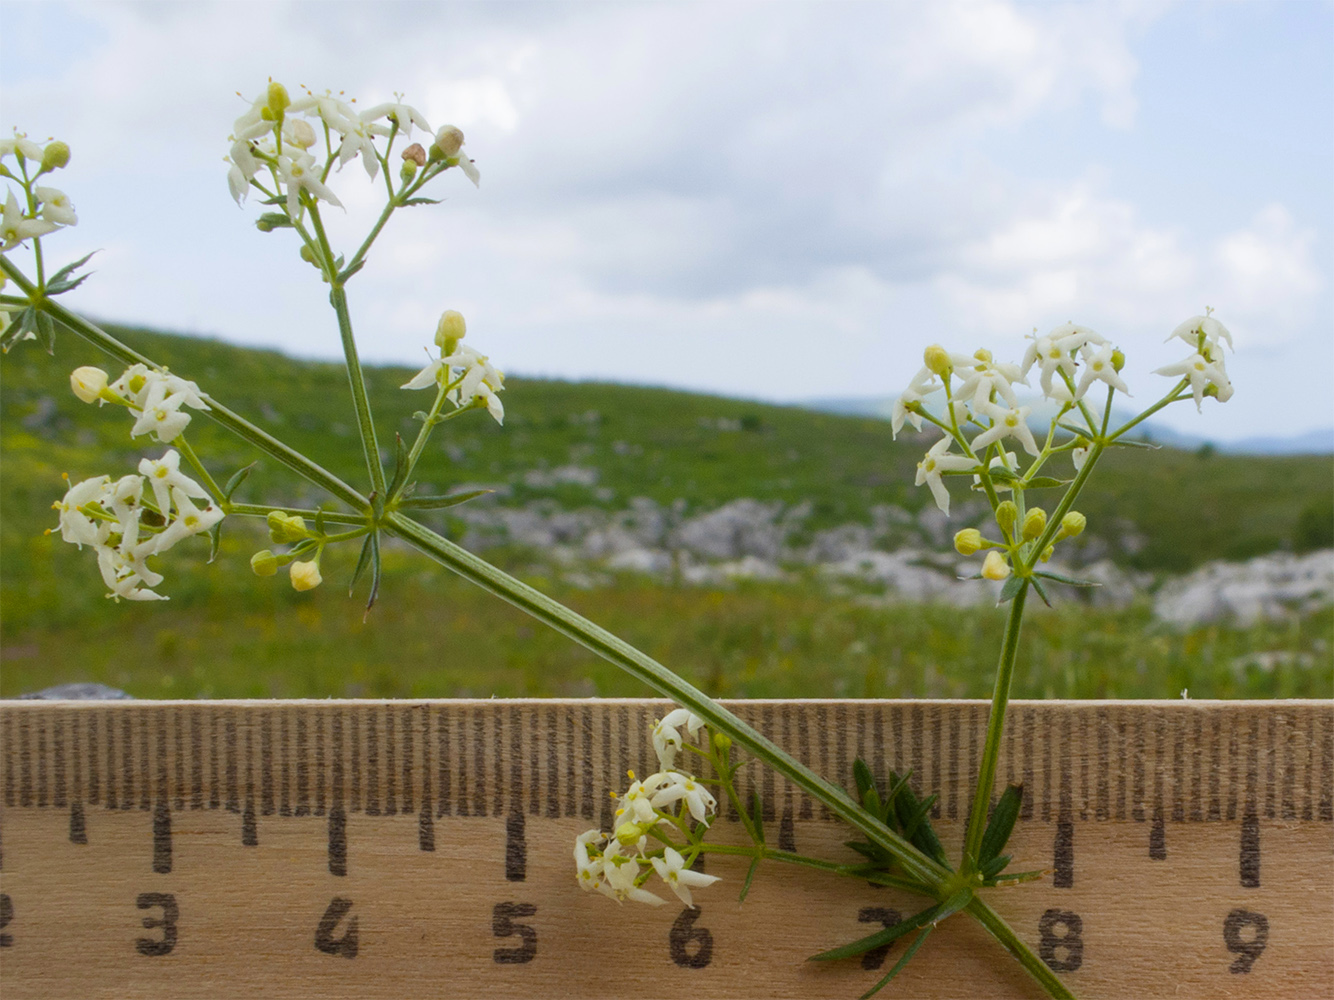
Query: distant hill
{"points": [[1312, 442]]}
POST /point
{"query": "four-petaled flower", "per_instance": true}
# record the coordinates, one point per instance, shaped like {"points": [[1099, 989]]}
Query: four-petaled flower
{"points": [[671, 866], [15, 227], [937, 462]]}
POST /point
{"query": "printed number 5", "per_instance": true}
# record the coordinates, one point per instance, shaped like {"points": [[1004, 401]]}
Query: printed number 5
{"points": [[503, 925]]}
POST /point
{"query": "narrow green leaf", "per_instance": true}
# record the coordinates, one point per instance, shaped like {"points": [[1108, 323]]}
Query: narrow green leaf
{"points": [[916, 825], [438, 502], [1061, 578], [1131, 443], [238, 477], [1016, 877], [882, 937], [275, 219], [69, 269], [342, 278], [400, 466], [19, 328], [1001, 474], [214, 540], [363, 561], [319, 520], [63, 286], [46, 332], [995, 866], [757, 816], [374, 536], [1011, 587], [862, 775], [1046, 483], [869, 851], [1037, 585], [422, 201], [750, 877], [1001, 825], [899, 965]]}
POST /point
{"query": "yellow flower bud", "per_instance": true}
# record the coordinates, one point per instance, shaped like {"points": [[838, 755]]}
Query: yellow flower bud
{"points": [[1073, 524], [264, 563], [628, 834], [937, 359], [450, 330], [1035, 522], [967, 541], [722, 741], [306, 575], [88, 383], [1006, 514], [995, 567], [1118, 359], [286, 528], [1046, 553], [55, 155], [277, 101], [983, 355]]}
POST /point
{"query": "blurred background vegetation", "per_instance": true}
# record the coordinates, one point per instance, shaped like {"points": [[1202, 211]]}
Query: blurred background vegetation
{"points": [[225, 633]]}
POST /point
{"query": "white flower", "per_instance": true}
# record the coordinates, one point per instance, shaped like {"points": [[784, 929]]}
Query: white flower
{"points": [[667, 735], [994, 567], [1053, 353], [1202, 326], [674, 872], [492, 402], [1079, 456], [21, 145], [1202, 372], [333, 111], [306, 575], [164, 475], [1099, 367], [77, 527], [189, 520], [987, 377], [1006, 422], [244, 166], [682, 787], [636, 805], [298, 172], [588, 868], [15, 227], [360, 138], [936, 462], [87, 383], [160, 413], [922, 385], [1071, 336], [406, 116], [621, 873], [55, 206], [479, 380], [123, 570]]}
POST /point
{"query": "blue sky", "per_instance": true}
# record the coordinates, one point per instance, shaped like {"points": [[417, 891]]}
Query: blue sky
{"points": [[781, 201]]}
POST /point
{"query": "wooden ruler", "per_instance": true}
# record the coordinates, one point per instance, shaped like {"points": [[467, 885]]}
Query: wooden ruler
{"points": [[390, 849]]}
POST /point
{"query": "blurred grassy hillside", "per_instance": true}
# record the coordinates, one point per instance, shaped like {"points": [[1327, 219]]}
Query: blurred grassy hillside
{"points": [[226, 633]]}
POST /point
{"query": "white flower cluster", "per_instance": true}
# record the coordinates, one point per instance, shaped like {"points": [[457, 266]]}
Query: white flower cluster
{"points": [[619, 865], [270, 135], [109, 516], [156, 397], [474, 381], [48, 208], [980, 393]]}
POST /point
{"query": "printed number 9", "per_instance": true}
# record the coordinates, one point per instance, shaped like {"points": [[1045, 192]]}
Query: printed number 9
{"points": [[1247, 950]]}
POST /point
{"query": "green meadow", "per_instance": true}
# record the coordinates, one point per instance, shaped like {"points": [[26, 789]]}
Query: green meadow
{"points": [[226, 633]]}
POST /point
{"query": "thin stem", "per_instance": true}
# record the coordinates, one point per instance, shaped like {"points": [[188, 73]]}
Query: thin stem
{"points": [[655, 675], [1022, 953], [1171, 397], [1000, 700], [262, 510], [183, 446]]}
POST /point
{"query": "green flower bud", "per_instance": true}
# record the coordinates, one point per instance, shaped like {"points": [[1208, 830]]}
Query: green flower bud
{"points": [[983, 355], [1118, 359], [277, 100], [450, 330], [407, 171], [722, 741], [937, 359], [307, 254], [264, 225], [1072, 524], [1046, 553], [55, 155], [628, 834], [968, 541], [1035, 522], [1006, 514], [286, 528], [264, 563]]}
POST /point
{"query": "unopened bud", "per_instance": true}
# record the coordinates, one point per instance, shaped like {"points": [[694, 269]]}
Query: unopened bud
{"points": [[414, 154], [450, 330], [983, 355], [307, 254], [722, 741], [628, 834], [264, 563], [306, 575], [968, 541], [1046, 553], [1118, 359], [1006, 515], [302, 134], [1073, 524], [937, 359], [55, 155], [277, 101], [407, 171], [263, 225], [88, 383], [286, 528], [449, 140], [995, 567], [1035, 522]]}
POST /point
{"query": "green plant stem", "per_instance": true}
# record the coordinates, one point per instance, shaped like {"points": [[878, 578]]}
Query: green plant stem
{"points": [[1022, 953], [658, 677], [1000, 700], [789, 857], [263, 510]]}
